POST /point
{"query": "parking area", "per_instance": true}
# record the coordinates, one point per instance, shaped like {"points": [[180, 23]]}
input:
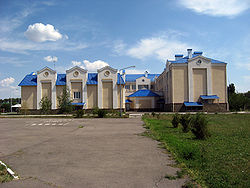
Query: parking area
{"points": [[104, 153]]}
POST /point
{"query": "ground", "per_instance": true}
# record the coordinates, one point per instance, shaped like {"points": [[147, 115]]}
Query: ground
{"points": [[83, 153]]}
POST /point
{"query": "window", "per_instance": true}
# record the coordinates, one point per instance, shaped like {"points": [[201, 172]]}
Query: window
{"points": [[142, 86], [127, 87], [152, 87], [77, 95], [133, 87]]}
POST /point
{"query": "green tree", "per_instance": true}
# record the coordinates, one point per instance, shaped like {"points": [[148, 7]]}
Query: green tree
{"points": [[64, 101], [45, 105]]}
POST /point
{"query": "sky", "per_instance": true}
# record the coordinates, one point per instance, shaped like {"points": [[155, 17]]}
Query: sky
{"points": [[118, 33]]}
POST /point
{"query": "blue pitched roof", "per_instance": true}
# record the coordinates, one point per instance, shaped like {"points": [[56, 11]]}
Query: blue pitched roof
{"points": [[133, 77], [209, 97], [92, 78], [29, 80], [61, 80], [192, 104], [185, 59], [144, 93]]}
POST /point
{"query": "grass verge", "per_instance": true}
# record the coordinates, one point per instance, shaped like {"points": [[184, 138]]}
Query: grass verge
{"points": [[4, 175], [220, 161]]}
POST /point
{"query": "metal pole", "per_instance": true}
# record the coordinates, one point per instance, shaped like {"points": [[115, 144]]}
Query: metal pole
{"points": [[120, 95], [10, 102]]}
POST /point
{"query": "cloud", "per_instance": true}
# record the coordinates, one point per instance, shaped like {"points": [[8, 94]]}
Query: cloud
{"points": [[51, 58], [76, 63], [118, 47], [92, 67], [217, 7], [135, 71], [39, 32], [7, 82], [162, 48], [23, 47]]}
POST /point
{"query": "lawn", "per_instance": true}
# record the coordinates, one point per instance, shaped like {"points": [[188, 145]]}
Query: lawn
{"points": [[4, 175], [220, 161]]}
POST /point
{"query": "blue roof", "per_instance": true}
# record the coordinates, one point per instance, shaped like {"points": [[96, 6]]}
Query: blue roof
{"points": [[209, 97], [29, 80], [144, 93], [185, 59], [92, 78], [192, 104], [133, 77], [128, 101], [61, 80], [78, 104]]}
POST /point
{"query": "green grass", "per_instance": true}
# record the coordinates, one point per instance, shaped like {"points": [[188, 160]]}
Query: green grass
{"points": [[220, 161], [4, 175]]}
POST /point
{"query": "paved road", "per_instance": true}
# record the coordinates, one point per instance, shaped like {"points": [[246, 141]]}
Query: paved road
{"points": [[104, 153]]}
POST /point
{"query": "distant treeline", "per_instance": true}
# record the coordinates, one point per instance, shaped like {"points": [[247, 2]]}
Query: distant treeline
{"points": [[5, 104]]}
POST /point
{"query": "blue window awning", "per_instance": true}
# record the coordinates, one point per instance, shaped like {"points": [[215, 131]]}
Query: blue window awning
{"points": [[192, 104], [128, 101], [78, 104], [205, 97]]}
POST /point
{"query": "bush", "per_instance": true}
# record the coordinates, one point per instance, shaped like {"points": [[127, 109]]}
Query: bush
{"points": [[95, 110], [199, 126], [45, 104], [185, 121], [153, 114], [79, 113], [101, 113], [176, 120]]}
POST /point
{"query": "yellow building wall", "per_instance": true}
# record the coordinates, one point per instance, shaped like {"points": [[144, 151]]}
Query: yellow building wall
{"points": [[59, 91], [46, 90], [76, 87], [199, 83], [91, 96], [29, 97], [219, 83], [180, 84], [118, 95], [145, 103], [107, 94]]}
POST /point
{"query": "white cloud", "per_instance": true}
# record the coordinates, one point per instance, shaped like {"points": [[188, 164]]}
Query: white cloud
{"points": [[76, 63], [135, 71], [51, 58], [7, 82], [162, 48], [118, 47], [217, 7], [39, 32], [92, 67]]}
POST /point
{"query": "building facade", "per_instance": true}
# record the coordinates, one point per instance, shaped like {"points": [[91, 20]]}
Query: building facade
{"points": [[188, 83]]}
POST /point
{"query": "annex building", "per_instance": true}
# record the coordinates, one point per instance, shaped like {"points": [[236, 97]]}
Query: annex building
{"points": [[188, 83]]}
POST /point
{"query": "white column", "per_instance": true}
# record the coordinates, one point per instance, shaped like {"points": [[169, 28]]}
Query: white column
{"points": [[38, 93], [209, 81], [190, 84], [115, 97], [53, 94]]}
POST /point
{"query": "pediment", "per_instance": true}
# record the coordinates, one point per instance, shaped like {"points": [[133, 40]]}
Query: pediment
{"points": [[197, 58], [107, 68], [51, 71], [76, 68]]}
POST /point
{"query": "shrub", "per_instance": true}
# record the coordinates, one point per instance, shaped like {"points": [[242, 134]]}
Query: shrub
{"points": [[101, 113], [45, 104], [153, 114], [79, 113], [95, 110], [176, 120], [64, 102], [185, 121], [199, 126]]}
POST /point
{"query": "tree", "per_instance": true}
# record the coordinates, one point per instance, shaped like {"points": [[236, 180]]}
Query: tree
{"points": [[45, 104], [231, 89], [64, 101]]}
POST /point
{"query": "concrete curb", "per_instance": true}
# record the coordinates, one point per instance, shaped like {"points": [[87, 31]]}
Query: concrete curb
{"points": [[10, 171]]}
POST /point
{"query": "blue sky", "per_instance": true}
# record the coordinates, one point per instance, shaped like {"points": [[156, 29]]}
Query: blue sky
{"points": [[144, 33]]}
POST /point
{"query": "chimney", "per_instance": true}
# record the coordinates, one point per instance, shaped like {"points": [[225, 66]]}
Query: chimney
{"points": [[146, 74], [178, 56], [189, 53]]}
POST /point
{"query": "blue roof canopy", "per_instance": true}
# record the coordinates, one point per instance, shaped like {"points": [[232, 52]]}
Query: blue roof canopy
{"points": [[133, 77], [128, 101], [144, 93], [209, 97], [192, 104], [61, 80], [92, 78], [29, 80]]}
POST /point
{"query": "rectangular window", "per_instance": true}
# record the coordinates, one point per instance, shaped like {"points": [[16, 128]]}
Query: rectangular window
{"points": [[133, 87], [127, 87], [77, 95]]}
